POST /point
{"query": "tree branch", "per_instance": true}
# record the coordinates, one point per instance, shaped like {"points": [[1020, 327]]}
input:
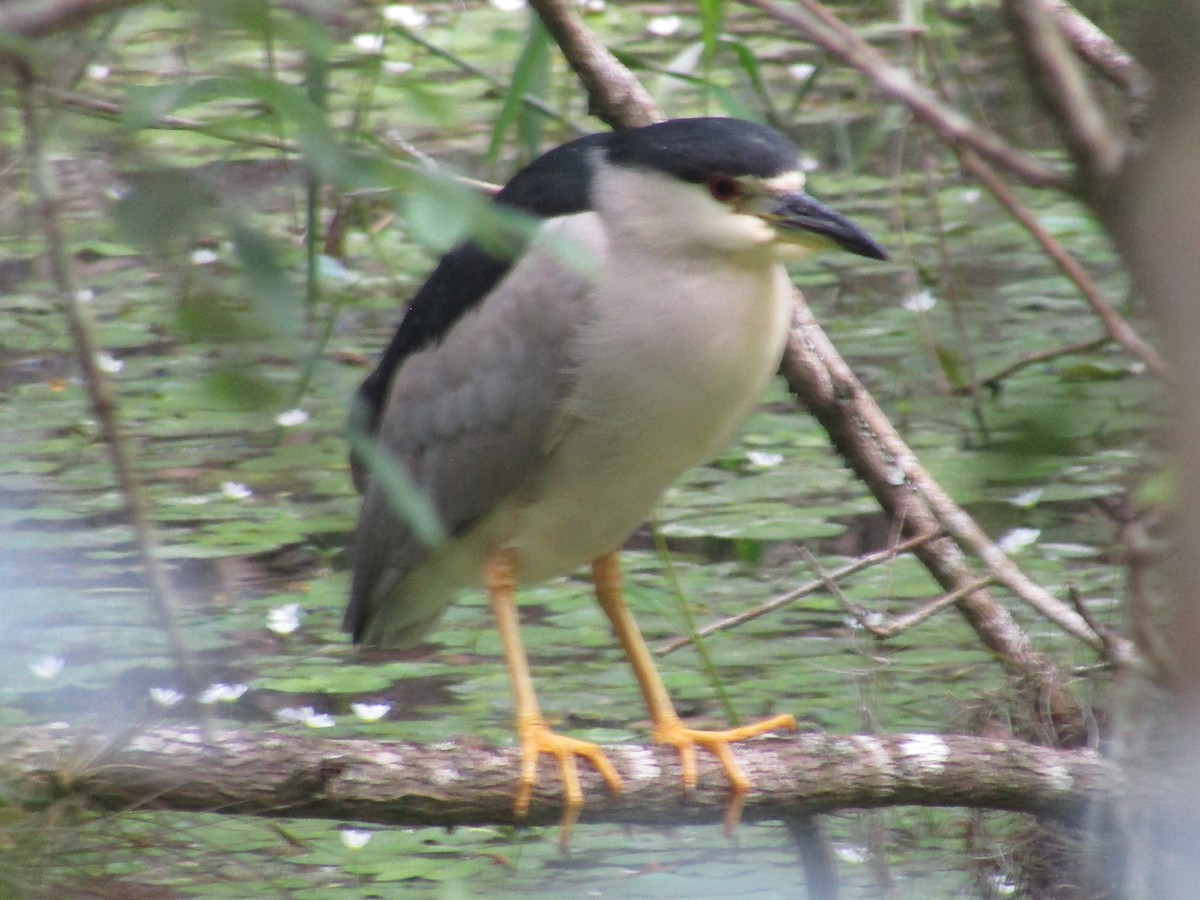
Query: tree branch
{"points": [[460, 783], [817, 24], [1101, 52], [39, 18], [1056, 74], [614, 93], [101, 394]]}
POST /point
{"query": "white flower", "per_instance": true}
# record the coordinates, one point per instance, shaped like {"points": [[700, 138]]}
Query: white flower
{"points": [[203, 256], [851, 854], [801, 71], [294, 713], [290, 418], [971, 195], [922, 301], [760, 460], [874, 619], [85, 295], [1026, 499], [284, 619], [368, 43], [405, 15], [47, 666], [370, 712], [1002, 885], [223, 693], [395, 67], [508, 5], [165, 696], [353, 838], [1018, 539], [106, 362], [664, 26], [306, 715], [98, 71], [235, 490]]}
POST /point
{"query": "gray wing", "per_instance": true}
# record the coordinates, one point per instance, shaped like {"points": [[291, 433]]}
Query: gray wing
{"points": [[472, 419]]}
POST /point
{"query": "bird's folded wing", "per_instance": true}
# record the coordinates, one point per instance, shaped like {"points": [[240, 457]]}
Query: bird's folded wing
{"points": [[472, 419]]}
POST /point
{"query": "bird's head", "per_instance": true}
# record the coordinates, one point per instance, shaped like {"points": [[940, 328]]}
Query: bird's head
{"points": [[717, 185]]}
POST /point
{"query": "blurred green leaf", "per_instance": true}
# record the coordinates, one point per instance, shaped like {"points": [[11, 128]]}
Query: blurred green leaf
{"points": [[235, 387], [162, 206], [530, 77]]}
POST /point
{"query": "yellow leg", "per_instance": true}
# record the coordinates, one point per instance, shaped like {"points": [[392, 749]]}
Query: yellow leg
{"points": [[532, 731], [668, 728]]}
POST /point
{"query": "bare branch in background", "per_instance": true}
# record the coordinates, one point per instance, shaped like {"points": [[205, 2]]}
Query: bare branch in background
{"points": [[614, 93], [1117, 328], [1032, 359], [1098, 151], [1101, 52], [790, 597], [40, 18], [860, 430], [100, 393], [815, 23]]}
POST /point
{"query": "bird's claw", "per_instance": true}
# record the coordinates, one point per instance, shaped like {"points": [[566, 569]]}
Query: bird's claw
{"points": [[685, 740], [537, 738]]}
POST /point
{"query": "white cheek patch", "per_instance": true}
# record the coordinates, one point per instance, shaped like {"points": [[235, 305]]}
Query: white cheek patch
{"points": [[788, 181]]}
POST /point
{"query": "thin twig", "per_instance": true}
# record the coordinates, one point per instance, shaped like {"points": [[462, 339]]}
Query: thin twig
{"points": [[100, 392], [1081, 607], [809, 587], [1032, 359], [820, 377], [898, 624], [110, 110], [1118, 329]]}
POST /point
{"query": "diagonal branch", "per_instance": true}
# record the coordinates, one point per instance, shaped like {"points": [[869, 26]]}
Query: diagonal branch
{"points": [[817, 24], [1115, 325], [819, 377], [614, 93], [1101, 52], [1096, 148]]}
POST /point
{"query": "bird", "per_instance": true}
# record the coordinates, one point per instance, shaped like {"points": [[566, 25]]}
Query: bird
{"points": [[540, 402]]}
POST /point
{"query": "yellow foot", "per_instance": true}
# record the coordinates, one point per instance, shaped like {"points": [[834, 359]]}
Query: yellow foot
{"points": [[685, 740], [536, 739]]}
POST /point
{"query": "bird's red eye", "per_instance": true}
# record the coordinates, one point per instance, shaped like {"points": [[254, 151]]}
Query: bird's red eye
{"points": [[723, 188]]}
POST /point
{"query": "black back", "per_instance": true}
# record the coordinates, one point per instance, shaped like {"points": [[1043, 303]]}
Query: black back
{"points": [[555, 184]]}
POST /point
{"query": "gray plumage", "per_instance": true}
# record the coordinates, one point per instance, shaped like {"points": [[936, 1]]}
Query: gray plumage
{"points": [[547, 412]]}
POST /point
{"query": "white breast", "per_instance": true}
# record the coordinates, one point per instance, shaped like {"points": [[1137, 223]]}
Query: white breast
{"points": [[675, 357]]}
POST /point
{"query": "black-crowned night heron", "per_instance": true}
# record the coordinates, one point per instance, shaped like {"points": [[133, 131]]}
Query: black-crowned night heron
{"points": [[542, 406]]}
